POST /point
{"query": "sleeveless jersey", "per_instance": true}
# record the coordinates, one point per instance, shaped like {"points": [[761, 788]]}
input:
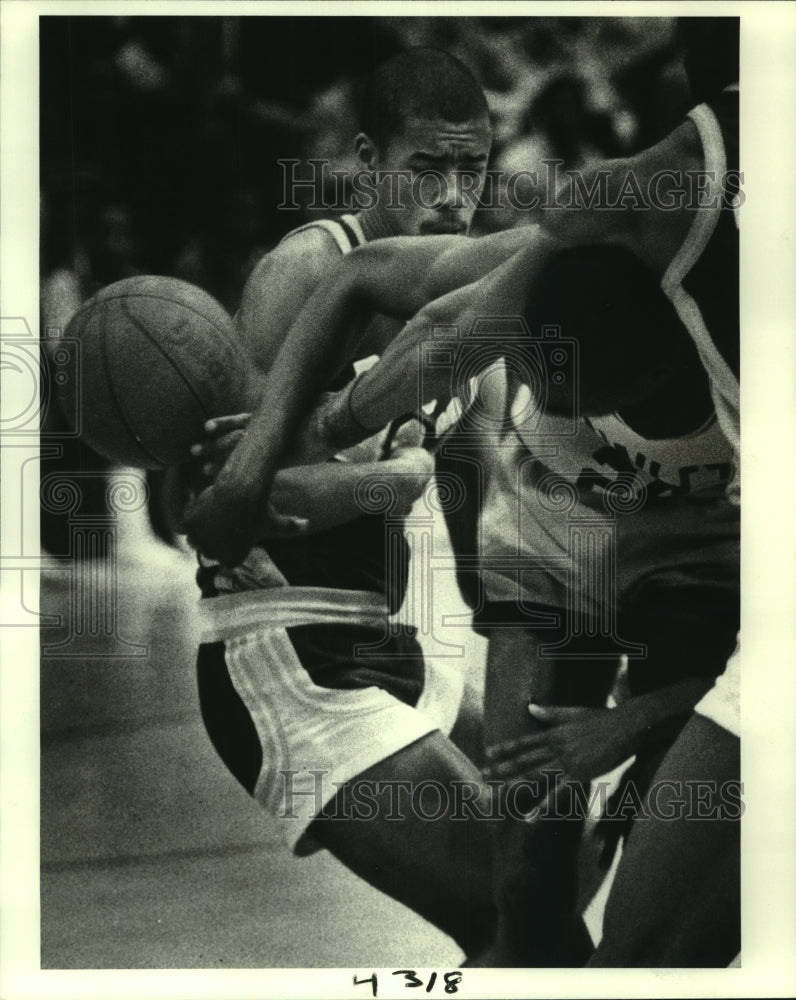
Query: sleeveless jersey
{"points": [[542, 474], [702, 279], [346, 231]]}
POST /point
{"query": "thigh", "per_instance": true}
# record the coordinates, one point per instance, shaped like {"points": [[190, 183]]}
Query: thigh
{"points": [[518, 671], [675, 900]]}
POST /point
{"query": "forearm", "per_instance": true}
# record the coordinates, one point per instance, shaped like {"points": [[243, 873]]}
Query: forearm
{"points": [[385, 277], [404, 380], [466, 260], [323, 332], [333, 493], [395, 277], [396, 385]]}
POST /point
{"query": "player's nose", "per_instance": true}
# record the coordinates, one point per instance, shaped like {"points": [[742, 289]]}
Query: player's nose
{"points": [[450, 195]]}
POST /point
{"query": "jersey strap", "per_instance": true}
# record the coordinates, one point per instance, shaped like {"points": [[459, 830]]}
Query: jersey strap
{"points": [[346, 231], [702, 279]]}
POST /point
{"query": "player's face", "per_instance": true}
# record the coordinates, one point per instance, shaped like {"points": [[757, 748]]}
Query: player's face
{"points": [[434, 173]]}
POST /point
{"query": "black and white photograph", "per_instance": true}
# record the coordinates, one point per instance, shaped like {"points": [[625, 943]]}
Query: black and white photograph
{"points": [[373, 573]]}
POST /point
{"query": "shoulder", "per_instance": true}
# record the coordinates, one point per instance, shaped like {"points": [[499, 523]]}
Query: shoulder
{"points": [[291, 271], [311, 250], [680, 151], [278, 287]]}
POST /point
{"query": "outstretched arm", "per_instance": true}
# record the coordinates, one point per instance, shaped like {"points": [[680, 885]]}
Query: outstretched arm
{"points": [[400, 382], [396, 277], [653, 236], [392, 276]]}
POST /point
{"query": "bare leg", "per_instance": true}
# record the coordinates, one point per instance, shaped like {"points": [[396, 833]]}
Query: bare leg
{"points": [[440, 868], [468, 731], [535, 864], [675, 901]]}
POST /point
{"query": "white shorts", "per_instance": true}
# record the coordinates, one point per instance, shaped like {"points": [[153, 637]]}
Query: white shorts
{"points": [[314, 738]]}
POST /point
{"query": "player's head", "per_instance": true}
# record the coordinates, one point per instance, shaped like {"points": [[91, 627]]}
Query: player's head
{"points": [[629, 339], [710, 53], [424, 114]]}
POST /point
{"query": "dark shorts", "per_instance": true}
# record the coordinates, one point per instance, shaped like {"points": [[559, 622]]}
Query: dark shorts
{"points": [[667, 634]]}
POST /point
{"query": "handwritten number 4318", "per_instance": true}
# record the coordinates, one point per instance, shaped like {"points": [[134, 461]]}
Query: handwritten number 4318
{"points": [[450, 980]]}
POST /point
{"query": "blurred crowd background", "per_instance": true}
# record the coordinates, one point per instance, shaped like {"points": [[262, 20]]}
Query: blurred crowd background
{"points": [[161, 136]]}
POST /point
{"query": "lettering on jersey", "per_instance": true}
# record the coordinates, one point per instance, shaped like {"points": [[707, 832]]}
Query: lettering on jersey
{"points": [[692, 478]]}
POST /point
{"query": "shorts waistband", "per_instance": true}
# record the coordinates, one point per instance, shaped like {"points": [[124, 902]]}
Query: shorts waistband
{"points": [[229, 615]]}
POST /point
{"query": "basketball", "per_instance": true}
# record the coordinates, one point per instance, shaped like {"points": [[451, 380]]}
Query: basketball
{"points": [[158, 357]]}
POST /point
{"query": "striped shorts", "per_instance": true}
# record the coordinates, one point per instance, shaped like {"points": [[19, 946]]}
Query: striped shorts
{"points": [[304, 688]]}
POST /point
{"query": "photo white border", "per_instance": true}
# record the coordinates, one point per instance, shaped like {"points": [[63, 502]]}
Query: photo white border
{"points": [[768, 318]]}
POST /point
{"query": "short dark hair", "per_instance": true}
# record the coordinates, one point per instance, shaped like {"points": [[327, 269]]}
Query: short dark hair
{"points": [[711, 53], [630, 340], [427, 82]]}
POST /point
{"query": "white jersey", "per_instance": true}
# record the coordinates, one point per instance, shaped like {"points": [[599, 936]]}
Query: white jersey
{"points": [[544, 476]]}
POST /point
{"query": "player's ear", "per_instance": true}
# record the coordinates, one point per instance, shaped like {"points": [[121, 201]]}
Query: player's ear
{"points": [[366, 151]]}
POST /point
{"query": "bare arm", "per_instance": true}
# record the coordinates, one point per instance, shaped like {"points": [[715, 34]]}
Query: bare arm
{"points": [[653, 235], [496, 270], [277, 290], [400, 382], [648, 200], [326, 495], [399, 277], [395, 277]]}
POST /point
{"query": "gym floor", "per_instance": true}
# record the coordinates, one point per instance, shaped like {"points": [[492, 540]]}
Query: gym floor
{"points": [[151, 855]]}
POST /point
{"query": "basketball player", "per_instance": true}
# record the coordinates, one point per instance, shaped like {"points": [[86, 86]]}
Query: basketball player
{"points": [[686, 615], [306, 676], [616, 376]]}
